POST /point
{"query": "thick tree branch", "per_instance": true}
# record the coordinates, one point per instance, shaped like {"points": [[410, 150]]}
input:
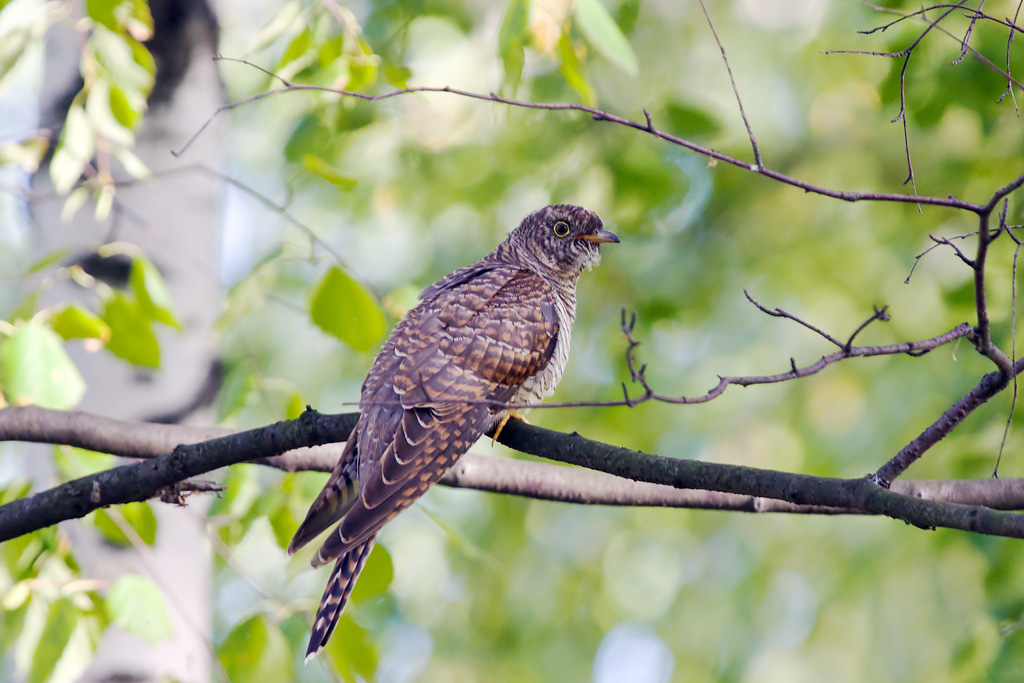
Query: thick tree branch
{"points": [[990, 385], [143, 480], [650, 480], [862, 494], [542, 481]]}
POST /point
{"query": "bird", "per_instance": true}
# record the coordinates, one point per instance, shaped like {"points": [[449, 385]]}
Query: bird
{"points": [[483, 337]]}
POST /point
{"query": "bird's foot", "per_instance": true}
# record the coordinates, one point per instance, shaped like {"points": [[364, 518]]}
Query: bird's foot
{"points": [[504, 420]]}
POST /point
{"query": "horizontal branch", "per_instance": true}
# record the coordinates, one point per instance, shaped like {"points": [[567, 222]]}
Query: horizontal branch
{"points": [[542, 481], [861, 494], [143, 480], [645, 126], [536, 480]]}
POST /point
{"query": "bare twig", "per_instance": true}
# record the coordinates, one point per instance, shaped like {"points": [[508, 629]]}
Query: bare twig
{"points": [[597, 115], [1009, 80], [905, 53], [735, 90], [967, 36], [922, 14], [939, 241], [779, 313], [880, 314], [1013, 333]]}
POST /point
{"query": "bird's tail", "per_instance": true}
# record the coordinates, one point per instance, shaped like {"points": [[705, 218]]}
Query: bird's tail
{"points": [[339, 588]]}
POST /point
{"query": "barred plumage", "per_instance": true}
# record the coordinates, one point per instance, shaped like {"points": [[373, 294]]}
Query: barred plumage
{"points": [[496, 331]]}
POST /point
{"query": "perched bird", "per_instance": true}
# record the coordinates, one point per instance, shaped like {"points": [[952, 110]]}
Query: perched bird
{"points": [[495, 332]]}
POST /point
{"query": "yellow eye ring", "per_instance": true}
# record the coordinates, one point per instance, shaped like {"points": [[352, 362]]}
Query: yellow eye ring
{"points": [[561, 228]]}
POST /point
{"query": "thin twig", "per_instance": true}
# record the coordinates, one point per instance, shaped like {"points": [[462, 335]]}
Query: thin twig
{"points": [[967, 36], [1009, 80], [905, 53], [735, 90], [779, 313], [939, 241], [1013, 332], [597, 115], [977, 55], [880, 314]]}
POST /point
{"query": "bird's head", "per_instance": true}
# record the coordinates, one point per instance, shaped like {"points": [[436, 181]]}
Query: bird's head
{"points": [[562, 238]]}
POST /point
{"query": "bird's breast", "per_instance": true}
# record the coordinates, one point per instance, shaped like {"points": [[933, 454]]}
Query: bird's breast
{"points": [[538, 387]]}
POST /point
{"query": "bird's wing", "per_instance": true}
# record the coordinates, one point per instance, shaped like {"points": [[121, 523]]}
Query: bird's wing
{"points": [[469, 344], [338, 495]]}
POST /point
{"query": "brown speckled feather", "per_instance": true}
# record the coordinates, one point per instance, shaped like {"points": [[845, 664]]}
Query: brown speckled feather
{"points": [[496, 331], [426, 392]]}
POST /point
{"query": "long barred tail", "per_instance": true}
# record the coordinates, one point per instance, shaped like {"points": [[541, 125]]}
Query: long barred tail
{"points": [[343, 580]]}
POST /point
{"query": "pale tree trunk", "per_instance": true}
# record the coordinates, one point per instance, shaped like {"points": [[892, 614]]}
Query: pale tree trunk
{"points": [[175, 219]]}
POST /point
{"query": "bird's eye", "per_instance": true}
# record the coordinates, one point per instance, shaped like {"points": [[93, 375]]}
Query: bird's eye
{"points": [[561, 228]]}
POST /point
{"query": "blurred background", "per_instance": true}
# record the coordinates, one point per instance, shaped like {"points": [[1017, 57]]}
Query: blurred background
{"points": [[316, 221]]}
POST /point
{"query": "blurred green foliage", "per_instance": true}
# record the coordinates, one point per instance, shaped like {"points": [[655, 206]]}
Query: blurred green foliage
{"points": [[394, 194]]}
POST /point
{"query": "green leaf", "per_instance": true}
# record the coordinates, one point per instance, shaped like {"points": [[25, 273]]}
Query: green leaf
{"points": [[153, 296], [35, 369], [572, 70], [690, 121], [604, 34], [363, 67], [73, 203], [14, 490], [376, 575], [345, 309], [296, 406], [121, 60], [512, 39], [133, 164], [125, 66], [75, 150], [249, 293], [311, 136], [234, 392], [398, 76], [122, 110], [131, 332], [256, 651], [139, 517], [48, 260], [79, 462], [283, 523], [322, 169], [276, 27], [352, 651], [74, 321], [137, 605], [26, 153], [60, 623], [104, 202], [296, 56], [97, 106], [629, 12], [12, 47], [26, 308]]}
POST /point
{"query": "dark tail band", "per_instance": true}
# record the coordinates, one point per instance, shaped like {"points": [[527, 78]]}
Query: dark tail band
{"points": [[339, 588]]}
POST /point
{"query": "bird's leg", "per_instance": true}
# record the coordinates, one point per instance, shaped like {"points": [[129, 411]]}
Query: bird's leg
{"points": [[501, 425]]}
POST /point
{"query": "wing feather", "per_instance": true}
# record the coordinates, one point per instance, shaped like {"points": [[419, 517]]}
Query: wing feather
{"points": [[424, 401]]}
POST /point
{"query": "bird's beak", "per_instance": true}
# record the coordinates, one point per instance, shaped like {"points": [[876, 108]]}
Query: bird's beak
{"points": [[600, 237]]}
